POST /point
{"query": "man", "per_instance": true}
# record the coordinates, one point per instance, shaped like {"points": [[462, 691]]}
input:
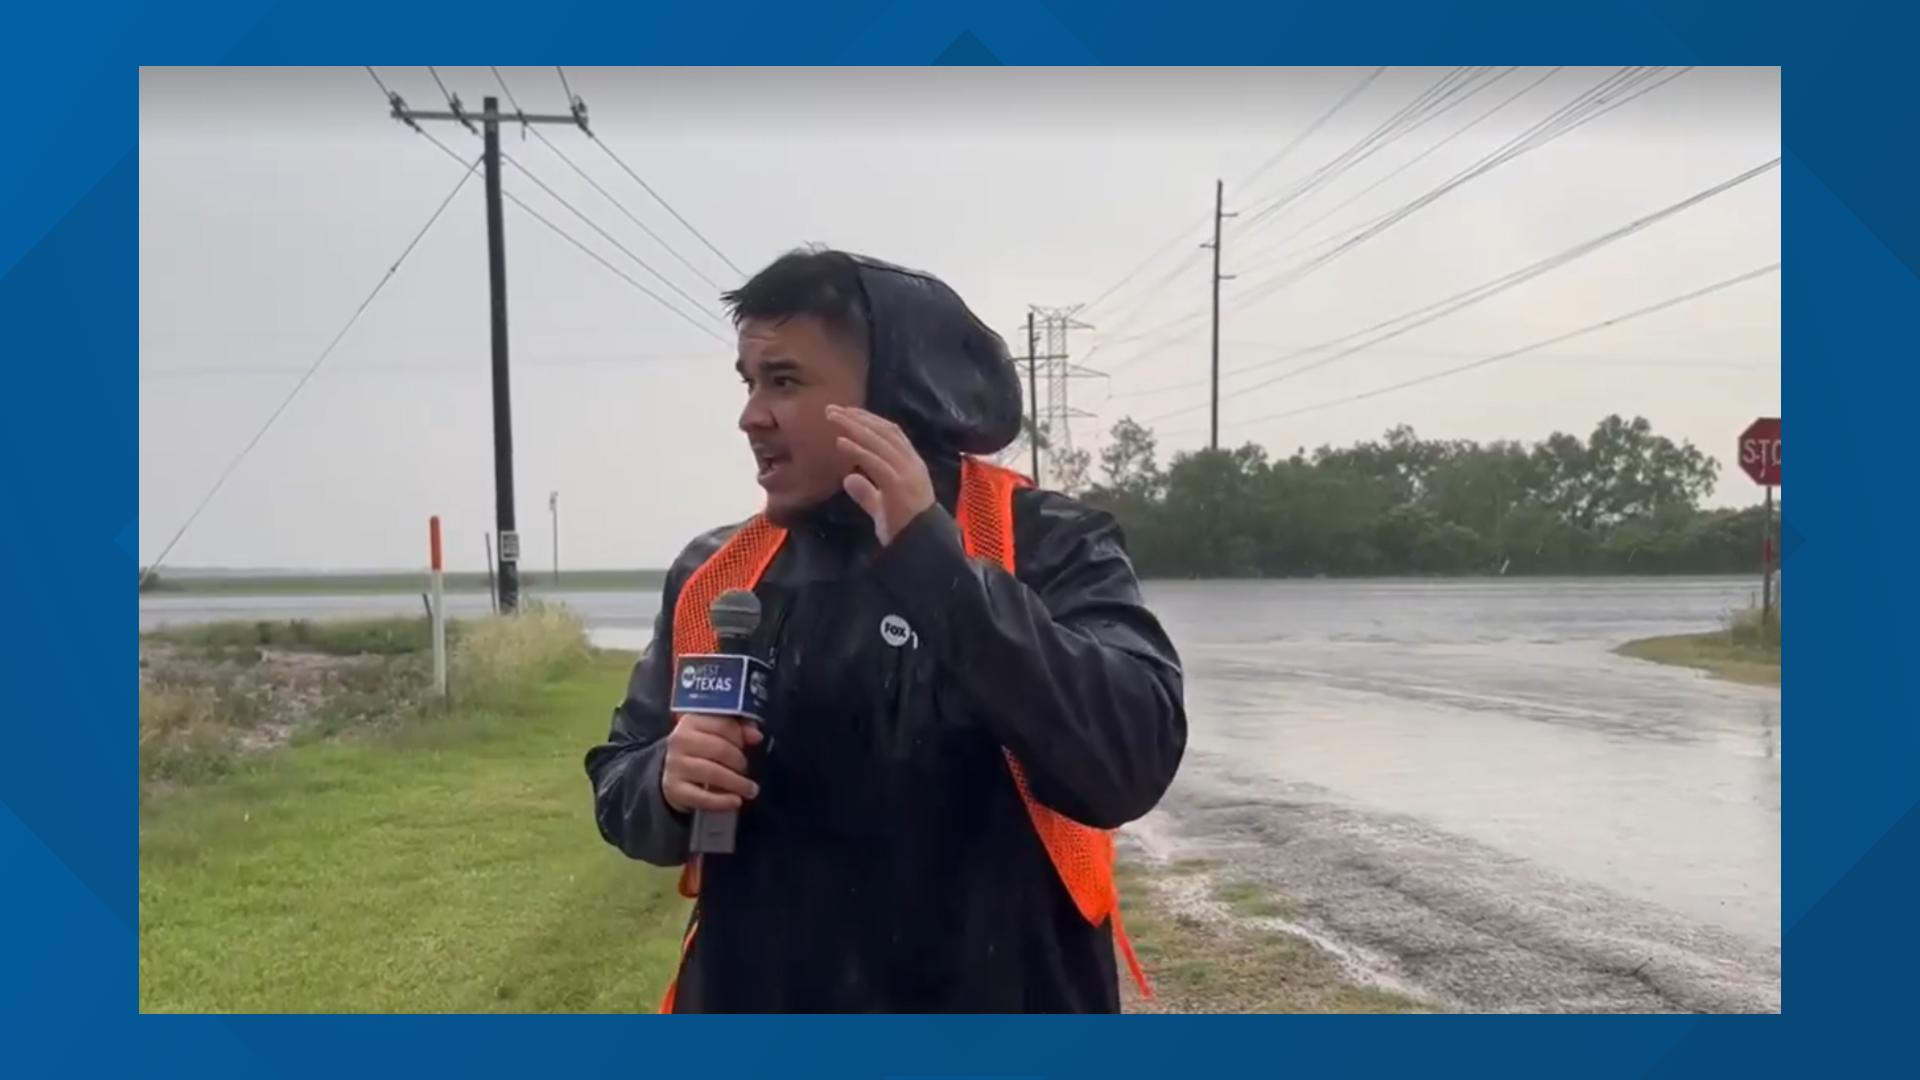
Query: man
{"points": [[922, 822]]}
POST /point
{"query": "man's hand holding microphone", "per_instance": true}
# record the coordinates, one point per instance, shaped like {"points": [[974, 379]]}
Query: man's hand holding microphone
{"points": [[705, 773], [719, 701], [706, 766]]}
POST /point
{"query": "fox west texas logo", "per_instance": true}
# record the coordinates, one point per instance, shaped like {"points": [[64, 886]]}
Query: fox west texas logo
{"points": [[895, 632]]}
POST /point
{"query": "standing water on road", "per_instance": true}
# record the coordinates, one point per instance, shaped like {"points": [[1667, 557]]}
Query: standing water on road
{"points": [[1462, 778]]}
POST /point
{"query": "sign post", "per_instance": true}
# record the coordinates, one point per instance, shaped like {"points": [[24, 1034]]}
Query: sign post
{"points": [[1760, 460], [439, 609]]}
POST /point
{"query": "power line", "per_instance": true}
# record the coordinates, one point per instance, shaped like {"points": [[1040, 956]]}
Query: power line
{"points": [[596, 256], [1165, 333], [1656, 360], [1382, 135], [1512, 147], [607, 236], [563, 234], [1452, 91], [1300, 188], [605, 194], [1402, 122], [1467, 298], [1317, 175], [1439, 309], [1588, 107], [662, 200], [504, 88], [394, 101], [453, 101], [1247, 181], [1408, 164], [312, 368], [648, 188], [1153, 290], [618, 205], [227, 371], [1309, 131], [1183, 234], [1460, 85], [1650, 309], [1426, 106]]}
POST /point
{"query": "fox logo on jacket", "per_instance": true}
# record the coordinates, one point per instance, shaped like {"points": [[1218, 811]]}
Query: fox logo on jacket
{"points": [[895, 631]]}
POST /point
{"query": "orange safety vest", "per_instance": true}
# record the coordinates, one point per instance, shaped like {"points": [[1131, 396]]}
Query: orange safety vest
{"points": [[1082, 855]]}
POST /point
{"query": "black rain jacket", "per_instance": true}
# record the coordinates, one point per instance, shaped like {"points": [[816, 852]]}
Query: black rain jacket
{"points": [[888, 864]]}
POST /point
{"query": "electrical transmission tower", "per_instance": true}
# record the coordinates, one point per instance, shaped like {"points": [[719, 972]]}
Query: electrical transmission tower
{"points": [[1049, 363]]}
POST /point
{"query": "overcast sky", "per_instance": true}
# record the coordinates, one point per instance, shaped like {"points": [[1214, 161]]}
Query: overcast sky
{"points": [[272, 200]]}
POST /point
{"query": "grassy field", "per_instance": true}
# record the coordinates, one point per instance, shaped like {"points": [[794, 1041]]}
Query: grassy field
{"points": [[532, 579], [447, 864], [316, 835], [330, 637], [1211, 944], [1745, 651]]}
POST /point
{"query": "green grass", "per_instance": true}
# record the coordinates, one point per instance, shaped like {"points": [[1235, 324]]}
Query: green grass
{"points": [[207, 691], [1253, 901], [532, 579], [449, 864], [334, 637], [435, 860], [1747, 650], [1198, 965]]}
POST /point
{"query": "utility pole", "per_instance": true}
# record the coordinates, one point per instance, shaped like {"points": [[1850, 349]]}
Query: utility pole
{"points": [[553, 505], [507, 596], [1766, 562], [1033, 395], [1219, 214], [502, 387]]}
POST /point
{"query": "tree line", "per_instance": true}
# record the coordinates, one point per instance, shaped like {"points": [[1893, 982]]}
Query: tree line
{"points": [[1623, 500]]}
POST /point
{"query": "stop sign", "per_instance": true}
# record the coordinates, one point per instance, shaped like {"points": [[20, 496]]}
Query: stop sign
{"points": [[1760, 451]]}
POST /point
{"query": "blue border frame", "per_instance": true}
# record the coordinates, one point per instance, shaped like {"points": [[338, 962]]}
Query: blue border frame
{"points": [[68, 309]]}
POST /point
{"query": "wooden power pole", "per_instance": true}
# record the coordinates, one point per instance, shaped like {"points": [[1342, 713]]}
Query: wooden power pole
{"points": [[507, 596]]}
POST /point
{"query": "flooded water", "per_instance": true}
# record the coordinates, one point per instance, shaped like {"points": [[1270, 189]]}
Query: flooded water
{"points": [[1500, 714], [1458, 779], [1463, 777]]}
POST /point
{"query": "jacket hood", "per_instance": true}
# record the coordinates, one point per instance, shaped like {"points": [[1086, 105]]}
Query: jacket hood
{"points": [[934, 368]]}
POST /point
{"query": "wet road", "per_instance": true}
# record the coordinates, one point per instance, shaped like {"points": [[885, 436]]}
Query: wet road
{"points": [[1456, 781], [1459, 780]]}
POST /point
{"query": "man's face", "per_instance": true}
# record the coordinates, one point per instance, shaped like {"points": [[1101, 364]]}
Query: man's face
{"points": [[794, 368]]}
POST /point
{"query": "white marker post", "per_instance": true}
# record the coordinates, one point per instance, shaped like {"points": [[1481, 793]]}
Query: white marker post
{"points": [[439, 610]]}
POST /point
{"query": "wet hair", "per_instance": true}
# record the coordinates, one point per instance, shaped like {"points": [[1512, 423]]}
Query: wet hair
{"points": [[812, 281]]}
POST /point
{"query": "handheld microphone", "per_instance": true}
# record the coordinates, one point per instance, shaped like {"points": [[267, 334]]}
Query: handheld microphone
{"points": [[725, 683]]}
